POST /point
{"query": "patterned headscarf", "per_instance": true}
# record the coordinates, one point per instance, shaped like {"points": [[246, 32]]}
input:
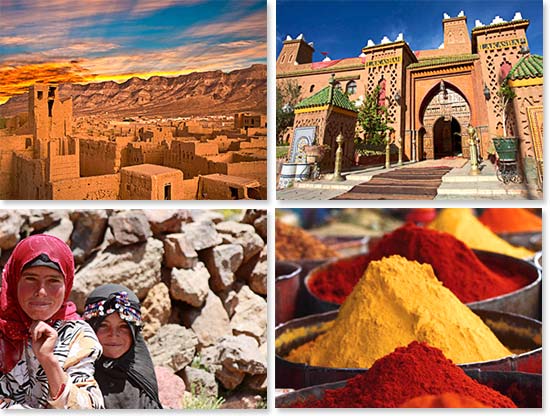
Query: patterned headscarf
{"points": [[14, 322], [135, 366]]}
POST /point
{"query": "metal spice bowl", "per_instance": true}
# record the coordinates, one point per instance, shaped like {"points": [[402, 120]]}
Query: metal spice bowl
{"points": [[538, 260], [517, 333], [287, 284], [524, 301], [524, 389], [529, 240]]}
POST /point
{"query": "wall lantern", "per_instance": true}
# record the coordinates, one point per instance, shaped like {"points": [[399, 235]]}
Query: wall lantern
{"points": [[397, 97], [486, 92]]}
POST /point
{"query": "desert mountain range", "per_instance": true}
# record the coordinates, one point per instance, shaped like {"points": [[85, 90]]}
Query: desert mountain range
{"points": [[198, 93]]}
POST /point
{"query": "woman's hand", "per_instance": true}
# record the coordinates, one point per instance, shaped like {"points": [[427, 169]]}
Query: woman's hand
{"points": [[43, 339]]}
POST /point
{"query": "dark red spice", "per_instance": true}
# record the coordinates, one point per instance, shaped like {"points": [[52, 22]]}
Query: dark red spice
{"points": [[454, 264], [408, 372]]}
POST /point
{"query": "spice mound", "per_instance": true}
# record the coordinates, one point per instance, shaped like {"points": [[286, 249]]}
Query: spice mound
{"points": [[511, 220], [443, 400], [396, 302], [408, 372], [293, 243], [463, 224], [454, 264]]}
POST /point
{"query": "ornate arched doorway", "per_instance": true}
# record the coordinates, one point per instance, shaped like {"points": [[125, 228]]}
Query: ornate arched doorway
{"points": [[447, 138], [445, 116]]}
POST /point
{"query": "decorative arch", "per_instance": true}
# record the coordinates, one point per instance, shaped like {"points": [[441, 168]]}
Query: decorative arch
{"points": [[444, 101]]}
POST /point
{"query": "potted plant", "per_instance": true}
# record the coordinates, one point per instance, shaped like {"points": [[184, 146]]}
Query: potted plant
{"points": [[316, 152], [506, 147]]}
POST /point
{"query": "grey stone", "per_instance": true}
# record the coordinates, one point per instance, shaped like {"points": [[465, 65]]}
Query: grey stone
{"points": [[210, 322], [198, 215], [130, 227], [242, 234], [255, 273], [137, 266], [250, 315], [230, 301], [163, 221], [243, 400], [222, 263], [10, 227], [62, 230], [41, 219], [89, 230], [190, 285], [241, 353], [209, 358], [179, 252], [201, 234], [199, 381], [258, 219], [173, 346]]}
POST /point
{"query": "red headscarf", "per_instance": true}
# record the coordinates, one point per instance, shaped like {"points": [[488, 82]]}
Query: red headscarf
{"points": [[14, 322]]}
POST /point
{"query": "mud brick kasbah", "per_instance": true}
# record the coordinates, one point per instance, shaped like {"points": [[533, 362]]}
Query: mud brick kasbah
{"points": [[46, 154], [433, 95]]}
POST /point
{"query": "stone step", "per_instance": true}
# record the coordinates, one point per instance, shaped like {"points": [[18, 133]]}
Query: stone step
{"points": [[467, 178], [468, 190], [345, 186]]}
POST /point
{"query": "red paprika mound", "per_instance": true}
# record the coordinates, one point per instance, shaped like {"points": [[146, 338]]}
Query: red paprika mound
{"points": [[454, 264], [408, 372], [442, 400], [511, 220]]}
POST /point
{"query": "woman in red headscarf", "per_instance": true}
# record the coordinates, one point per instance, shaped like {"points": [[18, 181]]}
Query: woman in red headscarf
{"points": [[47, 352]]}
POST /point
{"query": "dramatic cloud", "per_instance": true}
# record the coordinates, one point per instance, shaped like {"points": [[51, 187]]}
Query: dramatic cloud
{"points": [[16, 80], [99, 40], [149, 6], [253, 25]]}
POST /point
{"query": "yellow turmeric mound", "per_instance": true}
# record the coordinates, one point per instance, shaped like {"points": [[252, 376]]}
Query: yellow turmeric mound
{"points": [[463, 224], [398, 301]]}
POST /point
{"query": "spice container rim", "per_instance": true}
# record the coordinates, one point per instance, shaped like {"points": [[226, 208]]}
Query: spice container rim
{"points": [[297, 270], [339, 384], [322, 317], [327, 305]]}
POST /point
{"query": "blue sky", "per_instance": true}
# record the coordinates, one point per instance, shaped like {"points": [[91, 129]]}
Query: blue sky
{"points": [[342, 27], [98, 40]]}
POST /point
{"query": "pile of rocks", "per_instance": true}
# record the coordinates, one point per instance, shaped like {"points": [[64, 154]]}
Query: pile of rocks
{"points": [[202, 281]]}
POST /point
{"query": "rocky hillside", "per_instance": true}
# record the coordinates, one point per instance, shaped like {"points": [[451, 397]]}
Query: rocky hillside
{"points": [[202, 282], [199, 93]]}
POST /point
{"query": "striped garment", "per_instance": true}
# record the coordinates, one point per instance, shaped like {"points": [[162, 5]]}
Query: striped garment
{"points": [[77, 348]]}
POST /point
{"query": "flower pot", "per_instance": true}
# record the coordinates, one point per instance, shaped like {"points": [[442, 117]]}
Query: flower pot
{"points": [[315, 151], [506, 148]]}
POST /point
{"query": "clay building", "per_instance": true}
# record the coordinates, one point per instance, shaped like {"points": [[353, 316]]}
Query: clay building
{"points": [[432, 96], [43, 156], [219, 186]]}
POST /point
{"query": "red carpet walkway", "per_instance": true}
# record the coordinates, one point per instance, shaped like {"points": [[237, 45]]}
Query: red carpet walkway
{"points": [[404, 183]]}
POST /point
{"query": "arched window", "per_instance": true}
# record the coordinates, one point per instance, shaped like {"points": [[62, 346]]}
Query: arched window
{"points": [[290, 58], [337, 85], [351, 88], [312, 88], [282, 60]]}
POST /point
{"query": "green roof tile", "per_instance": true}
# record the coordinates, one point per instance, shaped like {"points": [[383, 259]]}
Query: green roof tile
{"points": [[529, 66], [322, 97], [444, 60]]}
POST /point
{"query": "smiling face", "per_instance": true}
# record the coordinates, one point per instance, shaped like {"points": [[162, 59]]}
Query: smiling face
{"points": [[40, 292], [115, 336]]}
